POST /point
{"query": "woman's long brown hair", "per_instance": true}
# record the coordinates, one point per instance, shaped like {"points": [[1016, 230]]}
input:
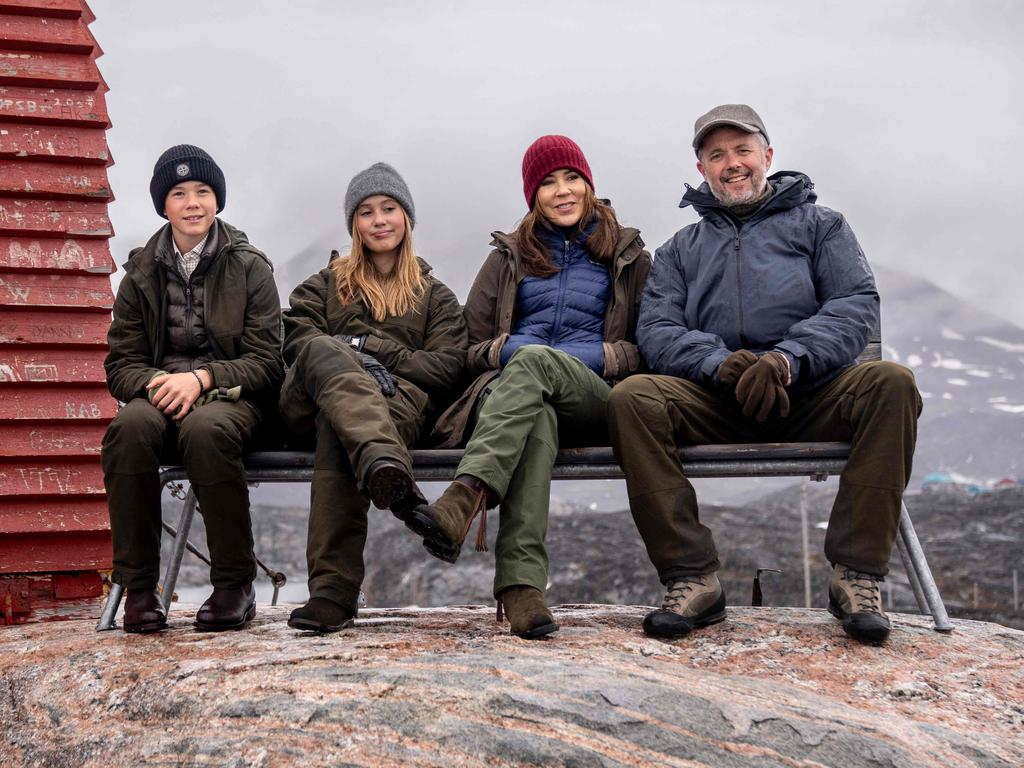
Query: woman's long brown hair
{"points": [[601, 244], [393, 294]]}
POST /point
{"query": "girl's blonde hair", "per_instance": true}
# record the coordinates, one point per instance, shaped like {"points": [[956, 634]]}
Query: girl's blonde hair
{"points": [[392, 294]]}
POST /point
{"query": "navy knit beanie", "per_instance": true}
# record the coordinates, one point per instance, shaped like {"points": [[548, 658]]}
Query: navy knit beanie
{"points": [[185, 162]]}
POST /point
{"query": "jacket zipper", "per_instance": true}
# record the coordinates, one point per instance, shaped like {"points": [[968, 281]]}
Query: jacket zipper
{"points": [[556, 327], [739, 288]]}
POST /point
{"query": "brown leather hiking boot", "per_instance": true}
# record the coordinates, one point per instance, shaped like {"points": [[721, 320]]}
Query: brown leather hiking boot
{"points": [[690, 602], [445, 523], [529, 617], [855, 598], [390, 486], [322, 616], [143, 611]]}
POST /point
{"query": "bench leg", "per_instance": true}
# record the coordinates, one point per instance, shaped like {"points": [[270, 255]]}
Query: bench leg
{"points": [[920, 574], [188, 510], [110, 608]]}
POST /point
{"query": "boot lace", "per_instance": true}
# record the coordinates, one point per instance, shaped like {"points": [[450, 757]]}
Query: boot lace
{"points": [[679, 592], [867, 595]]}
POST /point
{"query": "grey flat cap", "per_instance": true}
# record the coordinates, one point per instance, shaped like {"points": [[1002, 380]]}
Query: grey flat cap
{"points": [[737, 115]]}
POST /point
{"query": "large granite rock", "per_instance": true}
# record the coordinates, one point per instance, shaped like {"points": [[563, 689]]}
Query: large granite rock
{"points": [[449, 687]]}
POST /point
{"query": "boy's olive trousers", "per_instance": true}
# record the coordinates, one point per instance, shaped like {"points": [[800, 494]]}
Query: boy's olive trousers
{"points": [[209, 442], [543, 396], [873, 406]]}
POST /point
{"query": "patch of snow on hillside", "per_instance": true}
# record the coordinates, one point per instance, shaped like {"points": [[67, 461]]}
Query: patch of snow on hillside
{"points": [[1008, 408], [914, 361], [925, 395], [977, 373], [958, 382], [949, 363], [999, 343], [999, 399], [949, 333], [890, 353], [947, 395]]}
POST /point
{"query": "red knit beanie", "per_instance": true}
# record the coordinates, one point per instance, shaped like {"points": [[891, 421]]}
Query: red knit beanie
{"points": [[548, 154]]}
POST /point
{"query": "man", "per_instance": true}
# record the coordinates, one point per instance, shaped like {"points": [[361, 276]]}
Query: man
{"points": [[752, 320], [195, 356]]}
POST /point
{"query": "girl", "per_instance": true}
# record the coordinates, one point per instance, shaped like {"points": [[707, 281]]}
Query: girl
{"points": [[373, 342], [551, 319]]}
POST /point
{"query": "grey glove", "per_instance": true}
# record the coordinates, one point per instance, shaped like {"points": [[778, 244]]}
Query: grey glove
{"points": [[356, 342], [379, 373]]}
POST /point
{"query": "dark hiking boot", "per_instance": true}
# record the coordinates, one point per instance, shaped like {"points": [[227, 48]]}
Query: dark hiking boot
{"points": [[390, 486], [143, 611], [227, 608], [445, 523], [690, 602], [529, 617], [855, 598], [321, 615]]}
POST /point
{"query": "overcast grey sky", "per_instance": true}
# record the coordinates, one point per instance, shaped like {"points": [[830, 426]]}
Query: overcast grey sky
{"points": [[908, 116]]}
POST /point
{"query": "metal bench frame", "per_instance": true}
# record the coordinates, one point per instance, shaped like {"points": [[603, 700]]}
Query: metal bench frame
{"points": [[814, 460]]}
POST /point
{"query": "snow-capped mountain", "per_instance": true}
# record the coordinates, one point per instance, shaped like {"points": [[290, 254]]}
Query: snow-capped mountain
{"points": [[970, 370]]}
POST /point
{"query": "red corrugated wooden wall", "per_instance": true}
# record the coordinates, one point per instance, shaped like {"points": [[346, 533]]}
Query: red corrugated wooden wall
{"points": [[55, 294]]}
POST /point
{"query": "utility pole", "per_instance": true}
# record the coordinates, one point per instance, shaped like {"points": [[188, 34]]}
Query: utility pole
{"points": [[803, 537]]}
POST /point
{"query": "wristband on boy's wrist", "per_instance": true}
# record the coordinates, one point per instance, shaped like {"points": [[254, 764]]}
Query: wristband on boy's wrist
{"points": [[201, 387]]}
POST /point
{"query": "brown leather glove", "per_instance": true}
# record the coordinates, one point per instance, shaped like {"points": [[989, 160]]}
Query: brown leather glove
{"points": [[734, 365], [761, 388]]}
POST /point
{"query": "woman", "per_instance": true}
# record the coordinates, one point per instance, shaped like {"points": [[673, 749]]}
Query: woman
{"points": [[372, 342], [551, 319], [195, 356]]}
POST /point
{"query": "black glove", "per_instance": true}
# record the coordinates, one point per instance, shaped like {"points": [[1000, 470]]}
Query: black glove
{"points": [[762, 387], [356, 342], [734, 366], [379, 373]]}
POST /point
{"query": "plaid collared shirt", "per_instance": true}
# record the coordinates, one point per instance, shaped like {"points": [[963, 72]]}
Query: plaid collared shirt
{"points": [[187, 262]]}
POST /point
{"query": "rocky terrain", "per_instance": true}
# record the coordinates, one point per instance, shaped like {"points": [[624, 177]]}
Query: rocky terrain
{"points": [[450, 687]]}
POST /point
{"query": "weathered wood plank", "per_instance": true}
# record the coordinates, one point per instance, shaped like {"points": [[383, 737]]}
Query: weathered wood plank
{"points": [[39, 33], [53, 105], [55, 70], [33, 439], [60, 552], [56, 253], [50, 478], [54, 217], [54, 180], [61, 9], [53, 515], [74, 366], [74, 327], [40, 290], [54, 143], [47, 402]]}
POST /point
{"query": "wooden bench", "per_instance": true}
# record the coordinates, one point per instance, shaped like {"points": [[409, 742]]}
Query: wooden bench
{"points": [[814, 460]]}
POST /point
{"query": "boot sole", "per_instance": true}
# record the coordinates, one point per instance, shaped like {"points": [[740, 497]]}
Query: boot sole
{"points": [[876, 636], [250, 614], [537, 632], [389, 484], [434, 541], [308, 625], [146, 627], [680, 631]]}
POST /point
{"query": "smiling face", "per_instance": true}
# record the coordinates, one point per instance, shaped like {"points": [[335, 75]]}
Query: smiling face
{"points": [[191, 207], [380, 221], [735, 164], [560, 197]]}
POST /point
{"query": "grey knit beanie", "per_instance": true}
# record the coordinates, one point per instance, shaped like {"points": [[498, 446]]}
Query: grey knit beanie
{"points": [[185, 162], [378, 179]]}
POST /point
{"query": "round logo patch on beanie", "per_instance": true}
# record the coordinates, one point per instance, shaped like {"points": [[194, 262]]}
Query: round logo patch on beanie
{"points": [[182, 169]]}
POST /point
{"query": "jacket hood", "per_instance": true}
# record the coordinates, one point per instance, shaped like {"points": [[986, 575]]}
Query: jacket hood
{"points": [[228, 237], [624, 253], [792, 188]]}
